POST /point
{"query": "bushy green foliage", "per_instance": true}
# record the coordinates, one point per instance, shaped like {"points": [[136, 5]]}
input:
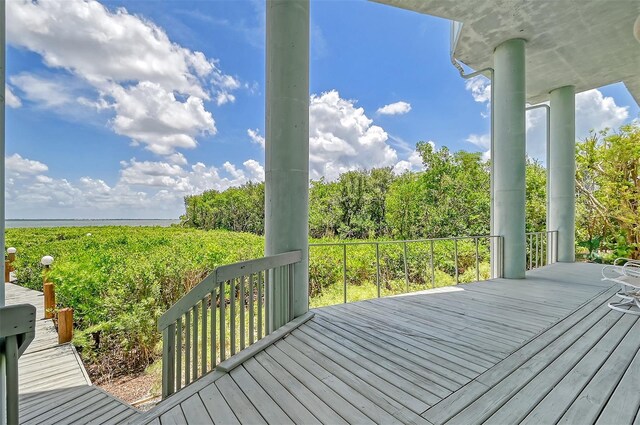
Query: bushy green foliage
{"points": [[119, 280], [608, 188], [239, 209], [450, 197]]}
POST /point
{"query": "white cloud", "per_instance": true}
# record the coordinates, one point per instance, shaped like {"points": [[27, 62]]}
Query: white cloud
{"points": [[397, 108], [254, 171], [87, 39], [46, 92], [255, 137], [480, 88], [16, 165], [412, 163], [224, 97], [155, 87], [149, 114], [482, 141], [594, 111], [11, 99], [342, 138], [177, 158], [143, 189]]}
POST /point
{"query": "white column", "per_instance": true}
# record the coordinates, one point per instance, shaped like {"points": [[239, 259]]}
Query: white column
{"points": [[287, 138], [508, 155], [561, 171], [3, 392]]}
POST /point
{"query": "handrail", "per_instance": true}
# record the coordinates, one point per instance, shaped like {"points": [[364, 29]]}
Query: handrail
{"points": [[494, 241], [345, 242], [221, 274], [245, 301], [17, 330]]}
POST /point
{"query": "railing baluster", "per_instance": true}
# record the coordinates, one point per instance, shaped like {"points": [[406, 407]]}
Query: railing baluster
{"points": [[187, 348], [344, 271], [268, 314], [477, 260], [537, 241], [433, 270], [203, 346], [223, 325], [241, 306], [455, 253], [12, 385], [232, 315], [406, 268], [292, 290], [179, 331], [168, 365], [252, 335], [194, 361], [260, 304], [378, 267], [530, 251], [214, 342]]}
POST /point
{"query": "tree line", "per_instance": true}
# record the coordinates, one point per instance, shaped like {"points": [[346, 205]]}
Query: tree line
{"points": [[451, 197]]}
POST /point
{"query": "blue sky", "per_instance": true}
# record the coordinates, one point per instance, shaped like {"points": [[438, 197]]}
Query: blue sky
{"points": [[119, 109]]}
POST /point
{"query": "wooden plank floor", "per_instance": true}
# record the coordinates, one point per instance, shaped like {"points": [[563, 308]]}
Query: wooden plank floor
{"points": [[466, 354], [54, 385]]}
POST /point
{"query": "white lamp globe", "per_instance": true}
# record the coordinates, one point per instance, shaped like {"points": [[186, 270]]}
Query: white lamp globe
{"points": [[46, 260], [11, 250]]}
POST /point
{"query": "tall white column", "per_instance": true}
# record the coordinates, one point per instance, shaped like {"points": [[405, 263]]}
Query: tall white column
{"points": [[287, 138], [509, 153], [3, 391], [561, 170]]}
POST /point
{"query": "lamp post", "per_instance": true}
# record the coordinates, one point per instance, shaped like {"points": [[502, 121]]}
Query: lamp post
{"points": [[47, 288], [8, 268]]}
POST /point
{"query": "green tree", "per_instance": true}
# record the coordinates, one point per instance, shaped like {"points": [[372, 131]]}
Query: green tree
{"points": [[608, 187]]}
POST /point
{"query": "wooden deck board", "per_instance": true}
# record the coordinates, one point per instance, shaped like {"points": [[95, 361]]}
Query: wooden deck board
{"points": [[53, 385], [306, 397], [500, 350], [583, 370]]}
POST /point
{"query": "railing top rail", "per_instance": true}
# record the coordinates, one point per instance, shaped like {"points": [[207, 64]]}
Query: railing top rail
{"points": [[401, 241], [222, 274], [245, 268], [541, 232]]}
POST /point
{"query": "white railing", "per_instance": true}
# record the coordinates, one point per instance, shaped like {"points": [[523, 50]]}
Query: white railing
{"points": [[233, 307], [542, 248], [17, 330], [428, 262]]}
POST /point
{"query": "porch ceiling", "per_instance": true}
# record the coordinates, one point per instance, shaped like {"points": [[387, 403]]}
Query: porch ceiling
{"points": [[586, 43]]}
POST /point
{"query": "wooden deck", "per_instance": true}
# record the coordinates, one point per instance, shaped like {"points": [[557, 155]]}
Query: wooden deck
{"points": [[54, 385], [540, 350]]}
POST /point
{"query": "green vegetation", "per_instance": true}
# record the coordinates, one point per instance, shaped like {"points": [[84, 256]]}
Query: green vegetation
{"points": [[450, 198], [119, 280], [608, 188]]}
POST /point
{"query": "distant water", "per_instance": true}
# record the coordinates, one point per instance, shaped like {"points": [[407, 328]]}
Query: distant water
{"points": [[81, 223]]}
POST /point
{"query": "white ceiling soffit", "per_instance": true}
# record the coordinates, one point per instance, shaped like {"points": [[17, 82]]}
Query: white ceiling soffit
{"points": [[586, 43]]}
